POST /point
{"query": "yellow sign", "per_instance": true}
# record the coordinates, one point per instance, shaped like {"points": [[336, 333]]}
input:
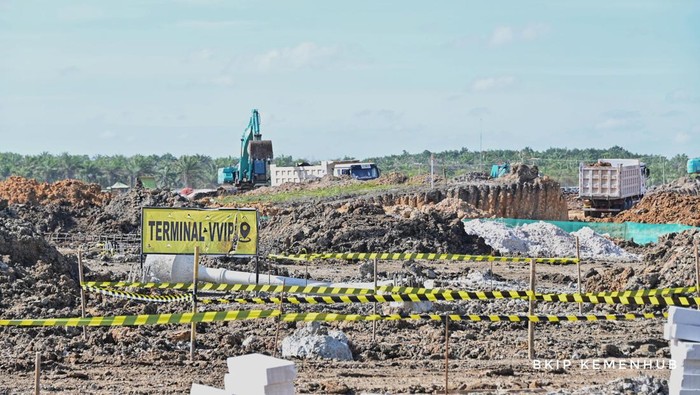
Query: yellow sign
{"points": [[216, 232]]}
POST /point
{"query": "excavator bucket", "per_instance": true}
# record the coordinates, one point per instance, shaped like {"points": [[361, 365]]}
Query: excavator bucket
{"points": [[261, 149]]}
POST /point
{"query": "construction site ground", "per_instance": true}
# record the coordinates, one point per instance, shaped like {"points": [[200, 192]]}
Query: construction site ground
{"points": [[408, 356], [500, 365]]}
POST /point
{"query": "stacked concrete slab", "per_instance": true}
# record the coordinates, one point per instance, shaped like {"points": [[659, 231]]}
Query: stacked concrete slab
{"points": [[683, 333], [254, 374]]}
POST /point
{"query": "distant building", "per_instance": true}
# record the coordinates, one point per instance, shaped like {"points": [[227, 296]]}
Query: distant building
{"points": [[118, 188]]}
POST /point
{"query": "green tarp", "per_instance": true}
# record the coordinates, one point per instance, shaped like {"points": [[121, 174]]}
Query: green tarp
{"points": [[640, 233]]}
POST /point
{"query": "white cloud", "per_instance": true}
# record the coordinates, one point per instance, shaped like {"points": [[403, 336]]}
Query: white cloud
{"points": [[81, 13], [209, 24], [223, 80], [502, 35], [532, 32], [479, 111], [681, 138], [682, 96], [108, 134], [304, 55], [492, 83], [612, 123]]}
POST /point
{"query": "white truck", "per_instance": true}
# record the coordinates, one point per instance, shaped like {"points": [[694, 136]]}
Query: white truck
{"points": [[611, 185], [304, 172]]}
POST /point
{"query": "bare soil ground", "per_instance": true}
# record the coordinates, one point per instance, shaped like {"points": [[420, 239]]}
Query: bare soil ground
{"points": [[406, 356]]}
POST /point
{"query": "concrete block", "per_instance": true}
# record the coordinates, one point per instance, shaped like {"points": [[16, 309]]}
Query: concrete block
{"points": [[241, 386], [683, 315], [682, 332], [685, 350], [261, 369], [199, 389]]}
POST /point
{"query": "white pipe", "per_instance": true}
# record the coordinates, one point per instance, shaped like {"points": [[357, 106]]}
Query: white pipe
{"points": [[178, 268]]}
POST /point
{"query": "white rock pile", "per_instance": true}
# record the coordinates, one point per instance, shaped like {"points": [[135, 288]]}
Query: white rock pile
{"points": [[541, 239], [314, 341]]}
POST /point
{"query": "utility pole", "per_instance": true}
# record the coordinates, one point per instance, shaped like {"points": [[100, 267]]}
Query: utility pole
{"points": [[481, 146]]}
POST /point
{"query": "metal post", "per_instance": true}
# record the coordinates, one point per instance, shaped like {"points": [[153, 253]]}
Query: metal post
{"points": [[82, 291], [447, 355], [530, 323], [578, 268], [37, 372], [193, 325], [257, 269], [697, 273], [432, 171], [374, 307]]}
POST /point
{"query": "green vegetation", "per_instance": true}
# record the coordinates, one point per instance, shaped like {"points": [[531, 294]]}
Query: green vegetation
{"points": [[199, 171], [322, 192]]}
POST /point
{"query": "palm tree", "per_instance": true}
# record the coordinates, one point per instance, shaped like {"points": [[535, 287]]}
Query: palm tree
{"points": [[189, 168]]}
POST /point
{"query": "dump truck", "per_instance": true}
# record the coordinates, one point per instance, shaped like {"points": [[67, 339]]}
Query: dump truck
{"points": [[303, 171], [609, 186]]}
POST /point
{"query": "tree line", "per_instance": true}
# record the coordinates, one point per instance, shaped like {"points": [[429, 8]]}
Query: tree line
{"points": [[200, 171]]}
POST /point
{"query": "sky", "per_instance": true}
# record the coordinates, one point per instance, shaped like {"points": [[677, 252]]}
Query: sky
{"points": [[357, 78]]}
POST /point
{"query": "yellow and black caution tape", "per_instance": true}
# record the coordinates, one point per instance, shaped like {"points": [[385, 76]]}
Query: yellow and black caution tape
{"points": [[387, 256], [138, 296], [147, 319], [428, 295], [233, 287], [462, 295], [288, 317], [220, 316]]}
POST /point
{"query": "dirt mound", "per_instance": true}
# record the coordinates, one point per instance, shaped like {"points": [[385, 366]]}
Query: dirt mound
{"points": [[683, 185], [123, 212], [20, 190], [521, 173], [671, 263], [392, 178], [471, 177], [459, 207], [361, 227], [664, 208], [540, 199], [35, 279]]}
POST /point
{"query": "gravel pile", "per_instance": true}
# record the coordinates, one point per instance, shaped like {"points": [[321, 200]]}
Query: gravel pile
{"points": [[636, 385], [541, 239]]}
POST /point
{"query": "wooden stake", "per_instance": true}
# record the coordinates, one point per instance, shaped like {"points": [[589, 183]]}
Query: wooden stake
{"points": [[374, 308], [82, 291], [37, 372], [447, 355], [277, 322], [530, 324], [697, 273], [193, 326], [578, 268]]}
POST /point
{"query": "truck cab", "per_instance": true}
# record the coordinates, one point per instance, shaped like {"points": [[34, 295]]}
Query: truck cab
{"points": [[359, 171]]}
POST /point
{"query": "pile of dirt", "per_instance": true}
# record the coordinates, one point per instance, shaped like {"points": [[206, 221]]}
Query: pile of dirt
{"points": [[471, 177], [521, 173], [35, 279], [540, 199], [670, 263], [20, 190], [664, 207], [462, 209], [362, 227], [683, 186], [392, 178], [123, 212]]}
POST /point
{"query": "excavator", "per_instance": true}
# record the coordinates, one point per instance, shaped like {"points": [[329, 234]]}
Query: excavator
{"points": [[253, 168], [694, 167]]}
